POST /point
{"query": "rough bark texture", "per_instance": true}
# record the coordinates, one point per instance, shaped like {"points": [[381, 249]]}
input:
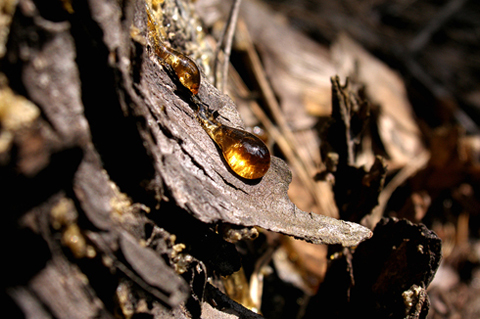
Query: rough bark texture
{"points": [[95, 135]]}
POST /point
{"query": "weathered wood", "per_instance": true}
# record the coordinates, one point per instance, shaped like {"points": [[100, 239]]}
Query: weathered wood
{"points": [[387, 276], [193, 170], [112, 137]]}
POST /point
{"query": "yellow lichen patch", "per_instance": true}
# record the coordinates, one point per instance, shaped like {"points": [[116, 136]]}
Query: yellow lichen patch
{"points": [[63, 213], [6, 139], [123, 296], [7, 9], [181, 260], [120, 203], [73, 239], [122, 206], [63, 216], [16, 112]]}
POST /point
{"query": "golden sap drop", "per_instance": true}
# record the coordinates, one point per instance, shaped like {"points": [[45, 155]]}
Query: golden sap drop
{"points": [[245, 153]]}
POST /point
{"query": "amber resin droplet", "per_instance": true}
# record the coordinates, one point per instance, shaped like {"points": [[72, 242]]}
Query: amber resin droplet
{"points": [[245, 153], [184, 68]]}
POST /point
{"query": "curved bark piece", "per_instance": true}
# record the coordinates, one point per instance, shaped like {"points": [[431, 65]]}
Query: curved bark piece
{"points": [[196, 176]]}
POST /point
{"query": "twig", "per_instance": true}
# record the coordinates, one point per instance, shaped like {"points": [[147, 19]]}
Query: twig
{"points": [[406, 172], [423, 37], [257, 278], [225, 45], [304, 168]]}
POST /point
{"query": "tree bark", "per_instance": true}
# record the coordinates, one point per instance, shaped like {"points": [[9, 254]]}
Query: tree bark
{"points": [[112, 189]]}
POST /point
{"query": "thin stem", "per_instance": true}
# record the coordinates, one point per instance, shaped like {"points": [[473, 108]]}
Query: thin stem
{"points": [[225, 45]]}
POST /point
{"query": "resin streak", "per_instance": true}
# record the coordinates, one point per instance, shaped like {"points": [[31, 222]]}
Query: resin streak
{"points": [[184, 68]]}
